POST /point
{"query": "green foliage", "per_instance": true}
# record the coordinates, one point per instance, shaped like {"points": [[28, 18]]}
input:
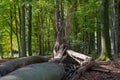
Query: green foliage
{"points": [[43, 23], [77, 45]]}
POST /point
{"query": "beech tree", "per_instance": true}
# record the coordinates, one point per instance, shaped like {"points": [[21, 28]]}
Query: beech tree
{"points": [[23, 40], [29, 17], [105, 38], [11, 29], [118, 20]]}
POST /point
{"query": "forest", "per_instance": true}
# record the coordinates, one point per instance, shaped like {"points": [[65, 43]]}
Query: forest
{"points": [[60, 39]]}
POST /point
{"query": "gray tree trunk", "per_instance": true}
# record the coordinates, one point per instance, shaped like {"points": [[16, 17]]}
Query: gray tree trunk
{"points": [[11, 26], [23, 35], [29, 17], [41, 71], [19, 13], [1, 51], [17, 28], [14, 64], [95, 34], [118, 14], [114, 33]]}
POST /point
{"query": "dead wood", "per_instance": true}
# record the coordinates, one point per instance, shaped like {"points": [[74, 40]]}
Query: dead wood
{"points": [[84, 62], [39, 71], [81, 70], [101, 69], [14, 64], [78, 56]]}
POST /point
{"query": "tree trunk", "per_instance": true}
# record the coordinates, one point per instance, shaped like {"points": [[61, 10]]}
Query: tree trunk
{"points": [[23, 40], [118, 19], [114, 33], [11, 26], [29, 17], [59, 45], [85, 35], [105, 42], [41, 71], [19, 38], [14, 64], [17, 29], [1, 51], [40, 23]]}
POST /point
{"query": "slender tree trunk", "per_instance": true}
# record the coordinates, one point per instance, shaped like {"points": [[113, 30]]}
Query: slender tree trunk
{"points": [[23, 40], [48, 35], [114, 33], [95, 34], [29, 17], [17, 29], [118, 19], [19, 13], [1, 51], [105, 42], [85, 35], [99, 40], [11, 26], [39, 33]]}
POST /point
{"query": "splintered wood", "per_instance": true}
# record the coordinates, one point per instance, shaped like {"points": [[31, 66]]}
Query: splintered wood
{"points": [[80, 58], [84, 61]]}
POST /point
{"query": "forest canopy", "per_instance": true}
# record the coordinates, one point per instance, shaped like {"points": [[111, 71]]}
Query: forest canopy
{"points": [[30, 27]]}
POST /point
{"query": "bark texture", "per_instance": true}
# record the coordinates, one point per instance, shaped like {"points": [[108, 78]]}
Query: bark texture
{"points": [[105, 38], [23, 39], [29, 17], [14, 64], [43, 71]]}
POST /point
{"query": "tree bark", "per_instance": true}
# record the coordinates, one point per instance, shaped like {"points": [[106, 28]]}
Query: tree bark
{"points": [[59, 46], [118, 19], [23, 40], [11, 27], [114, 33], [14, 64], [41, 71], [29, 17], [17, 28], [105, 38]]}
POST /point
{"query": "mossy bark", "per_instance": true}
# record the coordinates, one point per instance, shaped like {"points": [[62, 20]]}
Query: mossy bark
{"points": [[105, 38]]}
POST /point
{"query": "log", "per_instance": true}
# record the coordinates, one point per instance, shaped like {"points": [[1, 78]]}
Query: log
{"points": [[39, 71], [79, 57], [101, 69], [14, 64]]}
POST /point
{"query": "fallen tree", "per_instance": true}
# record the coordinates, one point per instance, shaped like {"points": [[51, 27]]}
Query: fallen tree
{"points": [[39, 71], [14, 64], [74, 68]]}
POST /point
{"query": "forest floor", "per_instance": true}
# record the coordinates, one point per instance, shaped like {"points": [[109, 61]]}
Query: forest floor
{"points": [[113, 66], [114, 74]]}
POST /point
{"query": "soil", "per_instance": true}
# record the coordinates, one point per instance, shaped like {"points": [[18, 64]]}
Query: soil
{"points": [[114, 74], [113, 66]]}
